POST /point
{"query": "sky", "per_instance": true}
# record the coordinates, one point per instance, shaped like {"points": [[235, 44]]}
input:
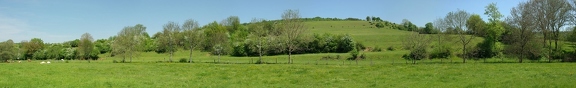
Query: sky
{"points": [[57, 21]]}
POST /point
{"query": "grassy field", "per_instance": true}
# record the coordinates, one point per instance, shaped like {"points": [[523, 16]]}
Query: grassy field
{"points": [[381, 69], [106, 74]]}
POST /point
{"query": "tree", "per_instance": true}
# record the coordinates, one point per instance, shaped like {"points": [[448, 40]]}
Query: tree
{"points": [[458, 20], [292, 28], [429, 28], [408, 25], [192, 35], [7, 50], [476, 25], [552, 15], [491, 32], [417, 43], [31, 47], [86, 46], [260, 33], [523, 33], [368, 19], [129, 41], [167, 39], [215, 34], [232, 23]]}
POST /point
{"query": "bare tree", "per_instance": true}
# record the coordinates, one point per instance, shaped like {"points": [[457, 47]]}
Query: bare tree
{"points": [[192, 35], [293, 27], [523, 32], [457, 21], [549, 17]]}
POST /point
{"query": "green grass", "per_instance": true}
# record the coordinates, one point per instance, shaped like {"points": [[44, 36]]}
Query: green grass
{"points": [[106, 74], [381, 69]]}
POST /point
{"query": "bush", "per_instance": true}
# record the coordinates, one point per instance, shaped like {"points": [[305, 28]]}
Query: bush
{"points": [[418, 53], [362, 56], [377, 49], [113, 61], [183, 60], [354, 54], [391, 48], [360, 46], [441, 52]]}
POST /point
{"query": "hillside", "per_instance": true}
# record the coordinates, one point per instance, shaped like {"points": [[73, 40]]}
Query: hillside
{"points": [[361, 31]]}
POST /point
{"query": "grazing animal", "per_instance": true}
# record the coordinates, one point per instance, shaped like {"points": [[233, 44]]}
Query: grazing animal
{"points": [[42, 62], [48, 62], [19, 61]]}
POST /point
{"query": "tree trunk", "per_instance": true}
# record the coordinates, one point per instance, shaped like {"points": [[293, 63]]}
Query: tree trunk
{"points": [[289, 57], [260, 51], [464, 53], [170, 59], [190, 58]]}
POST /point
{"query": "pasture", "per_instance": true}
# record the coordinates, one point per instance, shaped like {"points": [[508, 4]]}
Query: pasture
{"points": [[106, 74], [380, 70]]}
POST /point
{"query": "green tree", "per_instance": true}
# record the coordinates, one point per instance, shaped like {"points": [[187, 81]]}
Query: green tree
{"points": [[129, 41], [7, 50], [429, 28], [168, 40], [192, 35], [417, 43], [86, 46], [488, 48], [259, 31], [368, 18], [293, 29], [31, 47], [476, 25]]}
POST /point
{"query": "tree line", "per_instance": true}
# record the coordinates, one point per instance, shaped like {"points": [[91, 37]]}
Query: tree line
{"points": [[260, 37], [532, 31]]}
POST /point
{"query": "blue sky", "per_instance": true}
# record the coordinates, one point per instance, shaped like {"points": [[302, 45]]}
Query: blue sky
{"points": [[64, 20]]}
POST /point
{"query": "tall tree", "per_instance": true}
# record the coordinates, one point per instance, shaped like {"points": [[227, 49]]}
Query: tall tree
{"points": [[523, 33], [129, 41], [292, 27], [216, 38], [457, 20], [192, 35], [32, 46], [168, 40], [86, 46], [260, 33], [550, 17], [7, 50]]}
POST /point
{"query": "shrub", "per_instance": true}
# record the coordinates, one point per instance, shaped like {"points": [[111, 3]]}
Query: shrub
{"points": [[113, 61], [377, 49], [362, 56], [441, 52], [354, 54], [183, 60], [360, 46], [391, 48]]}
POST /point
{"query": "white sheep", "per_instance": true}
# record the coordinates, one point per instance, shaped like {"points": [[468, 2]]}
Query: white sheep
{"points": [[48, 62], [42, 62], [19, 61]]}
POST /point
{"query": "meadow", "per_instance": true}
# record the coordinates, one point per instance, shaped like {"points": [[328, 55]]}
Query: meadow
{"points": [[106, 74], [380, 70]]}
